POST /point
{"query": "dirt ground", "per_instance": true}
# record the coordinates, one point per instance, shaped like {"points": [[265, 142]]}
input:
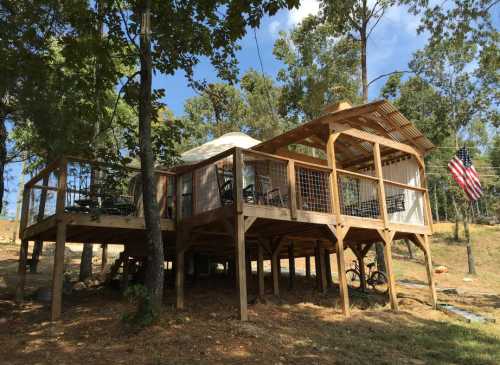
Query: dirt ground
{"points": [[302, 327]]}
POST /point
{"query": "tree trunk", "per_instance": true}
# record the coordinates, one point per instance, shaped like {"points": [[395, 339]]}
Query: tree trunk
{"points": [[445, 206], [456, 236], [379, 249], [86, 262], [470, 255], [3, 158], [436, 203], [364, 67], [410, 251], [155, 258]]}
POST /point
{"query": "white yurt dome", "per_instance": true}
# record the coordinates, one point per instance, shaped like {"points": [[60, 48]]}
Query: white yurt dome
{"points": [[218, 145]]}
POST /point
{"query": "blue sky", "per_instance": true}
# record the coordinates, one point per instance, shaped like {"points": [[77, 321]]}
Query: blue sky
{"points": [[390, 48]]}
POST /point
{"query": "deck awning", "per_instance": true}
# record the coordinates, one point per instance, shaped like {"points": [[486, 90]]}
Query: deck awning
{"points": [[379, 117]]}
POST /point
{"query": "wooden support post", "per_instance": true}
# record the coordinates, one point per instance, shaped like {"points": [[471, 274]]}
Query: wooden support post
{"points": [[320, 267], [308, 266], [179, 278], [21, 271], [380, 185], [104, 257], [58, 268], [362, 270], [423, 243], [239, 233], [292, 189], [339, 232], [275, 272], [328, 270], [291, 266], [260, 269], [126, 270], [387, 236], [248, 266]]}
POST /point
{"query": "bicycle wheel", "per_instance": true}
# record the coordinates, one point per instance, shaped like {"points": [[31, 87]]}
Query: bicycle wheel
{"points": [[353, 278], [379, 282]]}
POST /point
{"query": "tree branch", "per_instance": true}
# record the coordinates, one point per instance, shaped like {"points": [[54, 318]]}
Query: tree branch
{"points": [[388, 74]]}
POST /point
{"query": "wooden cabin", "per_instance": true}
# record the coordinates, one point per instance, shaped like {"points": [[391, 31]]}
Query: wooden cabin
{"points": [[348, 179]]}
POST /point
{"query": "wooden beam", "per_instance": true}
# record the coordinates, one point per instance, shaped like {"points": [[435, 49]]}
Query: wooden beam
{"points": [[334, 190], [239, 234], [380, 140], [104, 257], [291, 265], [424, 245], [21, 271], [292, 194], [249, 221], [275, 265], [380, 185], [179, 245], [328, 270], [387, 237], [260, 270], [320, 266], [340, 233]]}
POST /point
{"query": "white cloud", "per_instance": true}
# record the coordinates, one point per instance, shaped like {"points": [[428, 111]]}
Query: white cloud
{"points": [[306, 8], [274, 27]]}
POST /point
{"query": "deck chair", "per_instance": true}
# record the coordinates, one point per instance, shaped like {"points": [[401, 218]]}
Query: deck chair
{"points": [[225, 185], [268, 195]]}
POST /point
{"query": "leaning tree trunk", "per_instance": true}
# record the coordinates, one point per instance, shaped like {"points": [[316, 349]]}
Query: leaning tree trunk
{"points": [[3, 158], [364, 67], [470, 255], [86, 262], [155, 258]]}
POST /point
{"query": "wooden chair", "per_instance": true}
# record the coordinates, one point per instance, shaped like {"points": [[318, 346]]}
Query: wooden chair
{"points": [[225, 185], [267, 194]]}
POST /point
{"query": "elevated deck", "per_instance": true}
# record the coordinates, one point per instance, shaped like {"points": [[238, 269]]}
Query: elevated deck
{"points": [[361, 185]]}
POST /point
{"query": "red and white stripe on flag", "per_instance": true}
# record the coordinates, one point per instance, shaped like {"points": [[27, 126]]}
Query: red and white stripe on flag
{"points": [[466, 176]]}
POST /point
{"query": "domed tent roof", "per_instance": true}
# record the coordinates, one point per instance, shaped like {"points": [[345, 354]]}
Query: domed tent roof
{"points": [[218, 145]]}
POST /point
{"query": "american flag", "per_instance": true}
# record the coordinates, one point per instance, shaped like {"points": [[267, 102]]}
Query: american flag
{"points": [[465, 174]]}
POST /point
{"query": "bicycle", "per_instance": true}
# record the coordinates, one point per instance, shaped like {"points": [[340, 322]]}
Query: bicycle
{"points": [[374, 278]]}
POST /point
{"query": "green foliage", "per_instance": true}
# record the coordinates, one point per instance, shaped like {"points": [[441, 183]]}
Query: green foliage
{"points": [[144, 314], [222, 108], [320, 69]]}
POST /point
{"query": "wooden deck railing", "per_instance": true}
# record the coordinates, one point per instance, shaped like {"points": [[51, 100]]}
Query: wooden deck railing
{"points": [[76, 185]]}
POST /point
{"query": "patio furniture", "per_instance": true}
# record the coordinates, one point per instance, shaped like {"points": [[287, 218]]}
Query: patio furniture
{"points": [[267, 194], [225, 185]]}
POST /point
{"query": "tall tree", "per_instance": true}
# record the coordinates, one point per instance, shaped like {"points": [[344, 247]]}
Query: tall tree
{"points": [[356, 19], [174, 36], [320, 69]]}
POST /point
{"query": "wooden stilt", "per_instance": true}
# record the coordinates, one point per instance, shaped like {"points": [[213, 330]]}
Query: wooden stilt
{"points": [[21, 271], [387, 237], [428, 266], [260, 269], [58, 272], [362, 271], [308, 267], [275, 270], [344, 293], [328, 270], [291, 266], [239, 235], [179, 279], [423, 242], [126, 270], [104, 257], [321, 267], [316, 268]]}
